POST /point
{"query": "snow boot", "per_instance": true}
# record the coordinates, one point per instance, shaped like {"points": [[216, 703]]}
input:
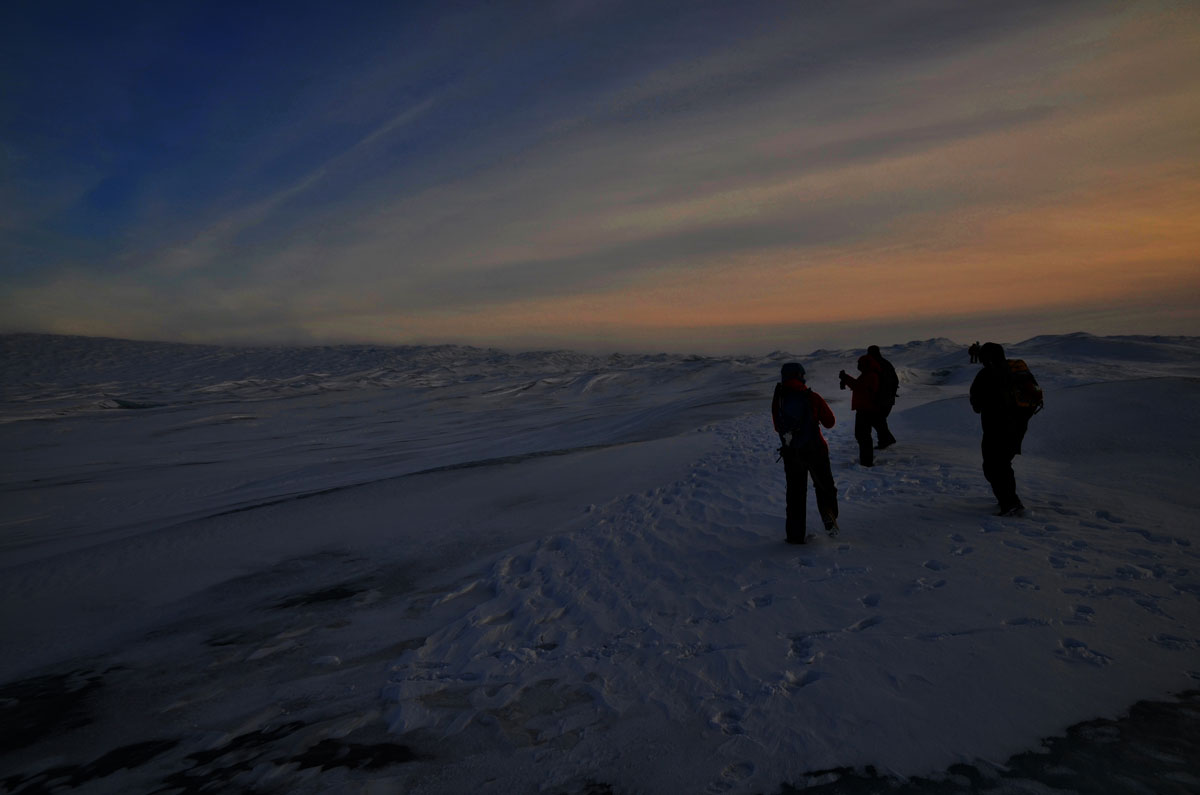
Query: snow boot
{"points": [[1016, 509]]}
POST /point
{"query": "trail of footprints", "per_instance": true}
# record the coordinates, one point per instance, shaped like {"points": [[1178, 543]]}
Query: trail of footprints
{"points": [[1112, 569], [701, 506], [1073, 558]]}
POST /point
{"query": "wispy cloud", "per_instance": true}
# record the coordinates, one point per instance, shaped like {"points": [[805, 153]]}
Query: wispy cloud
{"points": [[875, 164]]}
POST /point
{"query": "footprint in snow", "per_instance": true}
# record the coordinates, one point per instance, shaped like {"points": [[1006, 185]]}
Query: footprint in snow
{"points": [[935, 565], [1172, 642], [1109, 517], [1083, 614], [731, 776], [515, 566], [1026, 621], [794, 681], [1076, 651], [1151, 537], [1133, 573], [1026, 584], [869, 600], [803, 647], [728, 722], [866, 623], [1150, 605], [925, 584]]}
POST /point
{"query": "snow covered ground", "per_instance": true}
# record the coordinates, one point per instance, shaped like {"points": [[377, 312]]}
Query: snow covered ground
{"points": [[446, 569]]}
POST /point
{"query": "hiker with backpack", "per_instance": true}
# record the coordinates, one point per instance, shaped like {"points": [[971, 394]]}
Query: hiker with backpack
{"points": [[1005, 395], [865, 403], [889, 386], [798, 412]]}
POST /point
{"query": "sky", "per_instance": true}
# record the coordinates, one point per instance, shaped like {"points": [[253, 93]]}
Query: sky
{"points": [[733, 177]]}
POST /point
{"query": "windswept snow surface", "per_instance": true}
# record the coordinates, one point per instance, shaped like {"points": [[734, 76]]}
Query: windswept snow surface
{"points": [[449, 569]]}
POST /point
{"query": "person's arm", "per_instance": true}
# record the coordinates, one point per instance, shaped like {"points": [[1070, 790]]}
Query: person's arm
{"points": [[977, 392], [775, 407], [847, 380], [822, 411]]}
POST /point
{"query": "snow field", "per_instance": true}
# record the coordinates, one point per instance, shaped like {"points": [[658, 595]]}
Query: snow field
{"points": [[446, 570]]}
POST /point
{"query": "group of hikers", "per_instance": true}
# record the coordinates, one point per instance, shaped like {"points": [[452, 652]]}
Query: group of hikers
{"points": [[1004, 394]]}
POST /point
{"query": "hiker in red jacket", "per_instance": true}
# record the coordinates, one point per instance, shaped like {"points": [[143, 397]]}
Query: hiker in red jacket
{"points": [[865, 404], [797, 412]]}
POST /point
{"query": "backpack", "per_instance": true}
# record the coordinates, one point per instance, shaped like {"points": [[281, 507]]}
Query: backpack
{"points": [[1022, 392], [797, 418], [889, 381]]}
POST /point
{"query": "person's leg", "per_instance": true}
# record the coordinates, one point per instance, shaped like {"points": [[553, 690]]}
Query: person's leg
{"points": [[881, 428], [1014, 449], [862, 435], [824, 487], [998, 455], [796, 471]]}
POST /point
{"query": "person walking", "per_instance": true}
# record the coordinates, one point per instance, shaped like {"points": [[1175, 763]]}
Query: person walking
{"points": [[1004, 414], [865, 403], [889, 387], [973, 351], [797, 413]]}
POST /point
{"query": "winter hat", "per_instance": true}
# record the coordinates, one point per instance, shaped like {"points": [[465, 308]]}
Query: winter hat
{"points": [[791, 370], [874, 351], [991, 352]]}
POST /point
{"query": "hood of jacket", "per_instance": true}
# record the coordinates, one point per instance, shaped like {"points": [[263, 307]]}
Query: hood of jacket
{"points": [[868, 364]]}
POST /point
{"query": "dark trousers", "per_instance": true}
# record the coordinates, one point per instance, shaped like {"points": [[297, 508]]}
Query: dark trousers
{"points": [[798, 466], [881, 427], [999, 448], [864, 422]]}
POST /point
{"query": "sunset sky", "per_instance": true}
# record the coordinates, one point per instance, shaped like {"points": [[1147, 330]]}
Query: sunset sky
{"points": [[686, 176]]}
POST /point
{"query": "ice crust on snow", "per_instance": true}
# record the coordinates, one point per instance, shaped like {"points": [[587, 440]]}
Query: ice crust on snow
{"points": [[552, 570]]}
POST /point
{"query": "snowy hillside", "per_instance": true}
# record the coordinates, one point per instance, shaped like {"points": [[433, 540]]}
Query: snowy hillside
{"points": [[447, 569]]}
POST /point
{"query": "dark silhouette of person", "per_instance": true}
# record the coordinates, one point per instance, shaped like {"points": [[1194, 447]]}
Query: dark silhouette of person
{"points": [[1004, 426], [798, 412], [889, 386], [974, 352], [865, 403]]}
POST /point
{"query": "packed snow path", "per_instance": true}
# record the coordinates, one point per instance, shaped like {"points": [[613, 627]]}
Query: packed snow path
{"points": [[677, 621]]}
